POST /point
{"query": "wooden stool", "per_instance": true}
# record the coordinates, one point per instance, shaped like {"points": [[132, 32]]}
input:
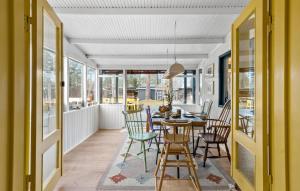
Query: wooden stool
{"points": [[176, 142]]}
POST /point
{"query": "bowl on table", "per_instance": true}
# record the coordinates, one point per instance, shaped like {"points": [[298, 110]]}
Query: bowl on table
{"points": [[157, 115], [176, 115], [188, 115]]}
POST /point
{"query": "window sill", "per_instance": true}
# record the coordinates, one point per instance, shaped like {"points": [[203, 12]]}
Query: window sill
{"points": [[111, 104], [82, 108], [189, 104]]}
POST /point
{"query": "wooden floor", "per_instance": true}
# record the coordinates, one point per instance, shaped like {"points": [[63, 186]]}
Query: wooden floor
{"points": [[84, 165]]}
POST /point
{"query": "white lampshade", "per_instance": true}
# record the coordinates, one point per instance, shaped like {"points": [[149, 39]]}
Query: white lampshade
{"points": [[174, 70]]}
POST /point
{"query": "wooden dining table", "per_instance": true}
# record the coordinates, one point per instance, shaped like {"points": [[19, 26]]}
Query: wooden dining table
{"points": [[196, 122]]}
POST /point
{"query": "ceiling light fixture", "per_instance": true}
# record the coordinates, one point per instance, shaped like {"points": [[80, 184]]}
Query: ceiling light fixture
{"points": [[176, 68]]}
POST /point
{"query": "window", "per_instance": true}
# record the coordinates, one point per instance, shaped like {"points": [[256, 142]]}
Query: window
{"points": [[91, 86], [111, 86], [184, 88], [49, 91], [145, 87], [75, 85], [224, 78], [201, 93]]}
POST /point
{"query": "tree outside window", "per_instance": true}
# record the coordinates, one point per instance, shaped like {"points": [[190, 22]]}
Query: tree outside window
{"points": [[111, 87], [75, 85], [91, 86]]}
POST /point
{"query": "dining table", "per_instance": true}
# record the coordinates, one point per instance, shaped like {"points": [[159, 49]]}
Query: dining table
{"points": [[196, 122]]}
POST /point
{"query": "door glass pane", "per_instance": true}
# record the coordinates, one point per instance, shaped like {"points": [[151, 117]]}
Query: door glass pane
{"points": [[49, 163], [246, 34], [49, 77], [246, 163]]}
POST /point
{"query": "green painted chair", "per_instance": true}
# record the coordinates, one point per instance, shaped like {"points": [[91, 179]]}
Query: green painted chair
{"points": [[137, 132]]}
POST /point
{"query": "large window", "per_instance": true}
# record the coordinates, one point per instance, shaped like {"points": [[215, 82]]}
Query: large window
{"points": [[184, 88], [91, 86], [75, 85], [145, 87], [111, 86], [224, 78]]}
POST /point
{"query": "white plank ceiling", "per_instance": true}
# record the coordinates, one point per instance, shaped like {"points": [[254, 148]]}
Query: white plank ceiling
{"points": [[120, 33]]}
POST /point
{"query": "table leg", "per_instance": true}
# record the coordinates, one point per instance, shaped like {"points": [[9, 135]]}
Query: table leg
{"points": [[178, 170], [177, 157], [193, 136]]}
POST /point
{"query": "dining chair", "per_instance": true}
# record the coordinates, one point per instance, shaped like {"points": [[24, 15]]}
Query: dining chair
{"points": [[204, 114], [137, 132], [176, 143], [217, 133], [206, 109], [154, 128]]}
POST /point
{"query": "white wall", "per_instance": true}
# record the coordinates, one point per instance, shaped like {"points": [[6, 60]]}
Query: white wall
{"points": [[111, 116], [79, 125], [213, 58], [74, 52]]}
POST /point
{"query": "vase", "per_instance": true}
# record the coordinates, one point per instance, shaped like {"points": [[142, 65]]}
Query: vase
{"points": [[170, 107]]}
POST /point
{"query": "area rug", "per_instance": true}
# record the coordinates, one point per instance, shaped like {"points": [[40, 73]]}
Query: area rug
{"points": [[130, 175]]}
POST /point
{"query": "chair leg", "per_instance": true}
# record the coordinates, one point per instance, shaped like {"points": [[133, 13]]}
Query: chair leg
{"points": [[163, 168], [128, 150], [187, 159], [227, 151], [158, 150], [195, 177], [193, 140], [145, 159], [150, 143], [159, 135], [197, 144], [205, 154], [219, 152], [158, 165]]}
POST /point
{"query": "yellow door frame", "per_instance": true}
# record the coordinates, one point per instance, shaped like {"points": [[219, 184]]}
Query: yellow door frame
{"points": [[285, 90], [12, 93], [40, 145], [278, 100], [258, 146]]}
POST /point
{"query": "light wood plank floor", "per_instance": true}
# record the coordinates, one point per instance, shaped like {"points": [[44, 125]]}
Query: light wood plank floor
{"points": [[85, 164]]}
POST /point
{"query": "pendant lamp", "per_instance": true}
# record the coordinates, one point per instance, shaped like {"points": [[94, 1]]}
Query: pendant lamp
{"points": [[176, 68]]}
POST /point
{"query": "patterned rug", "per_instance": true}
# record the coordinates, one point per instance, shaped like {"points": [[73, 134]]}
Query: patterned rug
{"points": [[130, 175]]}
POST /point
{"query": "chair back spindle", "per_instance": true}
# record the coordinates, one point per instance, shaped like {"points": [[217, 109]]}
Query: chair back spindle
{"points": [[134, 122], [180, 131], [207, 107], [149, 118]]}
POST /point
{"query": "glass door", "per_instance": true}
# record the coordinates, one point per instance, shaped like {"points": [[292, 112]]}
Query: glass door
{"points": [[249, 134], [46, 98]]}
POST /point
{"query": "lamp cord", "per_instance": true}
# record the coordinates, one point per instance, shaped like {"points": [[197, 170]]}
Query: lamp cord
{"points": [[167, 56], [175, 40]]}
